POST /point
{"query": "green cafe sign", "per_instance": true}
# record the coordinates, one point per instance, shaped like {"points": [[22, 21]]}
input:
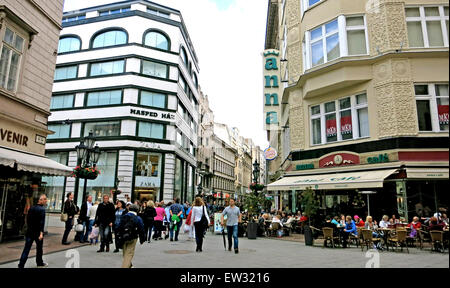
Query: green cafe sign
{"points": [[305, 166], [382, 158]]}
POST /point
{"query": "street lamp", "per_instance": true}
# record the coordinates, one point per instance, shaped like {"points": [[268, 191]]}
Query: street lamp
{"points": [[368, 193], [88, 155], [256, 172]]}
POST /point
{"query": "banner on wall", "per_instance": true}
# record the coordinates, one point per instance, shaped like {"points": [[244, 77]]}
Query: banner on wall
{"points": [[346, 125], [331, 128]]}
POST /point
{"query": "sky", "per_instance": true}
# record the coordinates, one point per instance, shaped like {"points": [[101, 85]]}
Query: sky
{"points": [[228, 37]]}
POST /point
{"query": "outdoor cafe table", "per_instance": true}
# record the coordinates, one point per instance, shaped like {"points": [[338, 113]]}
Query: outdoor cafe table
{"points": [[386, 233]]}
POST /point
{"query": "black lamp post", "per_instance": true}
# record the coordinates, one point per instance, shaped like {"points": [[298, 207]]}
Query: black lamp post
{"points": [[256, 173], [88, 155]]}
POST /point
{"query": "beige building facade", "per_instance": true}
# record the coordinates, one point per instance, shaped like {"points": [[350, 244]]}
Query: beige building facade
{"points": [[29, 34], [364, 88]]}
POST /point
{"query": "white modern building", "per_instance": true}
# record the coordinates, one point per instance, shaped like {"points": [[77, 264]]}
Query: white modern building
{"points": [[127, 72]]}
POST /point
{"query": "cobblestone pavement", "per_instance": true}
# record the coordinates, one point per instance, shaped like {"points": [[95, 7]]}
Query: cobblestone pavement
{"points": [[259, 253]]}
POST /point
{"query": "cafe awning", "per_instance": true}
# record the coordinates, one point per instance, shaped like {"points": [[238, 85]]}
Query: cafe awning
{"points": [[427, 173], [32, 163], [340, 181]]}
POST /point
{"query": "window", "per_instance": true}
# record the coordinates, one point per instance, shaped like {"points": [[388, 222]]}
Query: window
{"points": [[151, 130], [344, 36], [308, 3], [74, 18], [69, 44], [64, 73], [148, 173], [427, 26], [184, 57], [114, 11], [179, 139], [183, 84], [102, 129], [340, 120], [153, 99], [110, 38], [104, 98], [432, 107], [107, 68], [61, 131], [12, 52], [181, 110], [158, 13], [62, 101], [157, 40], [155, 69], [195, 80], [54, 187]]}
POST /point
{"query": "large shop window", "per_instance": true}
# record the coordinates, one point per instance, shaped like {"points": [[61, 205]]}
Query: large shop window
{"points": [[110, 38], [344, 36], [151, 99], [107, 68], [147, 175], [64, 73], [178, 179], [432, 107], [151, 130], [11, 56], [157, 40], [107, 164], [54, 185], [62, 101], [69, 44], [104, 98], [427, 26], [62, 131], [102, 129], [155, 69], [340, 120]]}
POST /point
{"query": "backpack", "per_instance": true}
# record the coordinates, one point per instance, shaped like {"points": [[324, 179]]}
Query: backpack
{"points": [[128, 229]]}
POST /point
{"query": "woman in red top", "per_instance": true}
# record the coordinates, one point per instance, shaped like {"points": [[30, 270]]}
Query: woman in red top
{"points": [[359, 222], [415, 223]]}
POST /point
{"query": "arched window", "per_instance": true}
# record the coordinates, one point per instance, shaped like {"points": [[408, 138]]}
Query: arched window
{"points": [[69, 44], [110, 38], [184, 57], [195, 80], [157, 40]]}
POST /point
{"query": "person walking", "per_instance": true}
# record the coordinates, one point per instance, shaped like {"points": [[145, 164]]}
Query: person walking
{"points": [[176, 210], [104, 219], [160, 215], [167, 220], [71, 210], [198, 211], [91, 215], [84, 218], [35, 233], [130, 229], [149, 219], [234, 217], [120, 210]]}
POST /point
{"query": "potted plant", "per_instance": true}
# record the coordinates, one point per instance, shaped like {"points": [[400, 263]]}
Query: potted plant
{"points": [[256, 187], [253, 202], [310, 205], [90, 173]]}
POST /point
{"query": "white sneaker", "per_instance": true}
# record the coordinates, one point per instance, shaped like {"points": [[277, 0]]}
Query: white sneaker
{"points": [[44, 265]]}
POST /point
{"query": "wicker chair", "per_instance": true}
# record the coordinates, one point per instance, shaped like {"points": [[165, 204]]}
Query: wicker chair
{"points": [[437, 241], [399, 239], [367, 239], [356, 238], [328, 235]]}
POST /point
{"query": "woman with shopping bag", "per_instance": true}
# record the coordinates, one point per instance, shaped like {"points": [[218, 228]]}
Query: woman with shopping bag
{"points": [[199, 221]]}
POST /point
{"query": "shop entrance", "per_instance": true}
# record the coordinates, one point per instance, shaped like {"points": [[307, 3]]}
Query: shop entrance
{"points": [[13, 202]]}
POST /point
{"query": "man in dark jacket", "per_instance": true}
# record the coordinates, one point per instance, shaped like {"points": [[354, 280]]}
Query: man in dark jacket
{"points": [[104, 219], [85, 219], [35, 232], [71, 210], [133, 226]]}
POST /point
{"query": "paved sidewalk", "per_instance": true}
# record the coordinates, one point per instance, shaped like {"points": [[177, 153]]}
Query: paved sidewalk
{"points": [[259, 253]]}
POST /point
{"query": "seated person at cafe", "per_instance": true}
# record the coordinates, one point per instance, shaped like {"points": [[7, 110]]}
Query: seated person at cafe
{"points": [[415, 224], [384, 223], [391, 222], [350, 228], [277, 219], [396, 221], [328, 223], [435, 225], [304, 218], [342, 221], [335, 220], [445, 219], [358, 221], [372, 226]]}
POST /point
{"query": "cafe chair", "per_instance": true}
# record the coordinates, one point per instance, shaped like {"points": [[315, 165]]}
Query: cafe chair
{"points": [[399, 239], [329, 236], [356, 238], [367, 239], [437, 241]]}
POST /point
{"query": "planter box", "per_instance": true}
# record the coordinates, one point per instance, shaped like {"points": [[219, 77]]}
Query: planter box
{"points": [[252, 229]]}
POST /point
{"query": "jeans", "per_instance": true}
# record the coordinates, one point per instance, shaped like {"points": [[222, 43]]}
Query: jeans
{"points": [[199, 232], [26, 250], [176, 232], [232, 231], [158, 229], [69, 225], [148, 228], [87, 226], [104, 232]]}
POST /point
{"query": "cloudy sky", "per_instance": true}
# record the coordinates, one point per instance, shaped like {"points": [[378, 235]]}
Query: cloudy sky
{"points": [[228, 36]]}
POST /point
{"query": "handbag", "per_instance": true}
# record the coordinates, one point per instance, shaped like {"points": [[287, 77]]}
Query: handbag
{"points": [[64, 216], [79, 228], [204, 221]]}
